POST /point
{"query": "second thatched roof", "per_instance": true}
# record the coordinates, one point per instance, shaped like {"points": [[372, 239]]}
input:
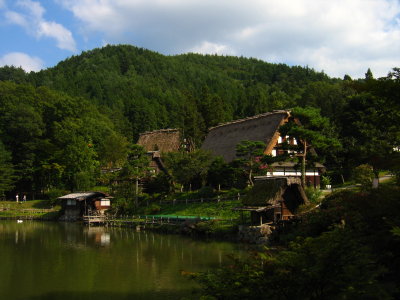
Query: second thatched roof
{"points": [[164, 140]]}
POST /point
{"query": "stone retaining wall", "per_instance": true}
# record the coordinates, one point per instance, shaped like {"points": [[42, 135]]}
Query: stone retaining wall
{"points": [[255, 234]]}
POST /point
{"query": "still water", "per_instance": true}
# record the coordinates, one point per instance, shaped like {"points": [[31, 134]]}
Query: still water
{"points": [[41, 260]]}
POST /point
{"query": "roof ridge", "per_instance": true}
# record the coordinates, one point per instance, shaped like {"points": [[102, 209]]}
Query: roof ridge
{"points": [[160, 130], [251, 118]]}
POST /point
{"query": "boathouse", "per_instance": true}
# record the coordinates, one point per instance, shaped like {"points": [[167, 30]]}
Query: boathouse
{"points": [[76, 205]]}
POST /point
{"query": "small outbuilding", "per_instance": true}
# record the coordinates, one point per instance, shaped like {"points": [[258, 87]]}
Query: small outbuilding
{"points": [[274, 199], [76, 205]]}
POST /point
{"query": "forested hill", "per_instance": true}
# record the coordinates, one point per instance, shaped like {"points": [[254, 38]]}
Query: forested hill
{"points": [[59, 126], [142, 90]]}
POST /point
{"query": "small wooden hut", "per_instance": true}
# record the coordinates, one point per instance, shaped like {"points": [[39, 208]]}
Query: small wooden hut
{"points": [[76, 205], [274, 199]]}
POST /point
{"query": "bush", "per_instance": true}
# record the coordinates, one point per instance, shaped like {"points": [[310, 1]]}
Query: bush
{"points": [[314, 195], [206, 192], [153, 209], [325, 181], [363, 175], [53, 194]]}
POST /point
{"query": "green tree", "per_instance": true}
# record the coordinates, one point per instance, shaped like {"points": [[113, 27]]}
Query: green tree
{"points": [[371, 126], [311, 130], [135, 168], [250, 154], [186, 166], [364, 174], [114, 151], [7, 178]]}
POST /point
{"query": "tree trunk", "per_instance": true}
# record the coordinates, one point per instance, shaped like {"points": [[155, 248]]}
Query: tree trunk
{"points": [[303, 165], [375, 181], [251, 174]]}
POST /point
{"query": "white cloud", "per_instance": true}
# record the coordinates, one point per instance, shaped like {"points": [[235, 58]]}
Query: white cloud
{"points": [[62, 35], [16, 18], [212, 48], [35, 24], [18, 59], [341, 36]]}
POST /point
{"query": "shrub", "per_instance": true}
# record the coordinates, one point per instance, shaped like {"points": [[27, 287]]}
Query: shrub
{"points": [[314, 195], [363, 175], [153, 209], [326, 180], [206, 192]]}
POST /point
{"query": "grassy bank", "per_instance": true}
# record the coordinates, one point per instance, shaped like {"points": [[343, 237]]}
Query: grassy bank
{"points": [[33, 210], [218, 210]]}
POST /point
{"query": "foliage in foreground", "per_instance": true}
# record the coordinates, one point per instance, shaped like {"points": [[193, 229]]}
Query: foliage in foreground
{"points": [[347, 250]]}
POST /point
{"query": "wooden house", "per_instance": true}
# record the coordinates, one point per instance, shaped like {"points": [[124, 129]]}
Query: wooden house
{"points": [[274, 199], [222, 140], [76, 205]]}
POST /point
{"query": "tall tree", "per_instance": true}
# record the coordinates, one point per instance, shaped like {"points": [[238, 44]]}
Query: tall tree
{"points": [[7, 177], [311, 130], [249, 154], [186, 166]]}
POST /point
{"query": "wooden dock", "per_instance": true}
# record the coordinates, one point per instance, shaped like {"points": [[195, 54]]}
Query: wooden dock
{"points": [[94, 220]]}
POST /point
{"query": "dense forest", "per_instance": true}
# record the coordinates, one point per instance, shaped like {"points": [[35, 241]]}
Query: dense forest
{"points": [[61, 125]]}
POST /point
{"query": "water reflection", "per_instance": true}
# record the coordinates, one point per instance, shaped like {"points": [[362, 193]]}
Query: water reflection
{"points": [[99, 235], [40, 260]]}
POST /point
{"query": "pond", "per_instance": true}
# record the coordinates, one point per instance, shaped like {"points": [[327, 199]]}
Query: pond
{"points": [[43, 260]]}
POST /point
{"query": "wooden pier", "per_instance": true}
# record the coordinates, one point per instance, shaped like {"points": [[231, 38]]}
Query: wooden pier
{"points": [[95, 220], [138, 220]]}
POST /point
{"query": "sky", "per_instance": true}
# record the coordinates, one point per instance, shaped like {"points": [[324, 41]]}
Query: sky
{"points": [[338, 37]]}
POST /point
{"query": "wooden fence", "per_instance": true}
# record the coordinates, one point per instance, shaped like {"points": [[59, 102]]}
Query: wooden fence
{"points": [[199, 200], [141, 220]]}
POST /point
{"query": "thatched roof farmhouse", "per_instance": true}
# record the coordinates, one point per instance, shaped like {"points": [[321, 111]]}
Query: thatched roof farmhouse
{"points": [[222, 139], [162, 141]]}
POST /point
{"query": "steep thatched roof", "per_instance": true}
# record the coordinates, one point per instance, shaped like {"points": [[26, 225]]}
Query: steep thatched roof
{"points": [[164, 140], [270, 191], [222, 139]]}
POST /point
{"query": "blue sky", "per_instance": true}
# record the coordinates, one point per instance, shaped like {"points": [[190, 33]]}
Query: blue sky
{"points": [[338, 36]]}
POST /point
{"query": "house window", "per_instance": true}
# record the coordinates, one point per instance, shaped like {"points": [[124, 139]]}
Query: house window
{"points": [[105, 202], [71, 202], [279, 140]]}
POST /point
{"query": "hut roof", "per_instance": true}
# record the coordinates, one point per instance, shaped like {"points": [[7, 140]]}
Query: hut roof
{"points": [[269, 191], [222, 139], [83, 196], [164, 140]]}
